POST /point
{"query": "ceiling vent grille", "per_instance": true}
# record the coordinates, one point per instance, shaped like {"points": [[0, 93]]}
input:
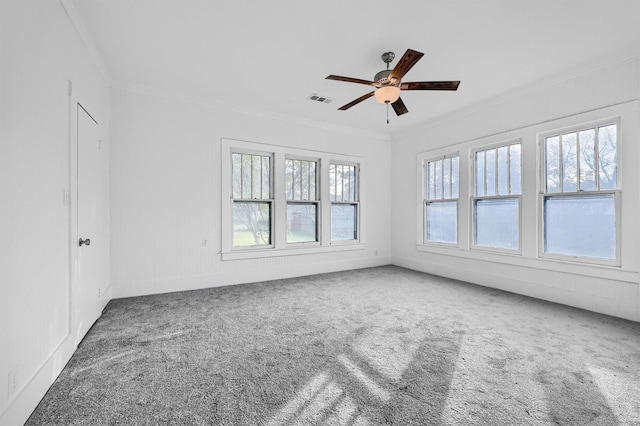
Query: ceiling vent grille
{"points": [[317, 98]]}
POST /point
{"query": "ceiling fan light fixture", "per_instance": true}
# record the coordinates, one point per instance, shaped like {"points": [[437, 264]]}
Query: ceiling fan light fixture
{"points": [[387, 94]]}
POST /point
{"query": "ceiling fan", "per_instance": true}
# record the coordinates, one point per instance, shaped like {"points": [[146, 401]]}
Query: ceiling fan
{"points": [[388, 83]]}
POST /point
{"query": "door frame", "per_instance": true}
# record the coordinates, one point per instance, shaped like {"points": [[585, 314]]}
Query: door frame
{"points": [[71, 199]]}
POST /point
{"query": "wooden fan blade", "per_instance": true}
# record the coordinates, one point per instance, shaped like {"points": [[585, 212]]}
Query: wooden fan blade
{"points": [[349, 79], [405, 63], [357, 101], [430, 85], [399, 107]]}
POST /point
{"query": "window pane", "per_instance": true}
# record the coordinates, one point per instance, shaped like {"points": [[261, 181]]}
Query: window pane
{"points": [[236, 175], [446, 178], [438, 179], [312, 181], [301, 222], [569, 163], [442, 222], [480, 173], [580, 226], [339, 182], [297, 180], [344, 222], [607, 152], [332, 182], [503, 170], [431, 180], [496, 223], [552, 166], [587, 139], [304, 192], [288, 179], [256, 177], [455, 161], [251, 223], [246, 176], [491, 171], [352, 183], [515, 170], [342, 182]]}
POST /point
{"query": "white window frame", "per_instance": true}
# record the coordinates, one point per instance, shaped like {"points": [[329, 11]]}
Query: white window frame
{"points": [[426, 200], [355, 202], [543, 194], [279, 245], [315, 200], [474, 198], [270, 200]]}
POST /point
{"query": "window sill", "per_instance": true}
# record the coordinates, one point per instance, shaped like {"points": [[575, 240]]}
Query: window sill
{"points": [[289, 251]]}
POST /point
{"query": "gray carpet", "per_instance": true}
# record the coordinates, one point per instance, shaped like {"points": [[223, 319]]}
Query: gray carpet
{"points": [[380, 346]]}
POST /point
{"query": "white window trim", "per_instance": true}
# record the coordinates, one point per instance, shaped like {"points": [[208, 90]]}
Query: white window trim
{"points": [[423, 162], [542, 179], [270, 200], [358, 166], [629, 129], [279, 245], [317, 201], [473, 198]]}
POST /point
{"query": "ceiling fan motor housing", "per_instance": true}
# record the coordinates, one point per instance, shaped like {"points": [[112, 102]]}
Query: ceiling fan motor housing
{"points": [[382, 79]]}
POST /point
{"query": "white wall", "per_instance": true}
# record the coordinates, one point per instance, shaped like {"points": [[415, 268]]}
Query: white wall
{"points": [[40, 51], [590, 93], [166, 179]]}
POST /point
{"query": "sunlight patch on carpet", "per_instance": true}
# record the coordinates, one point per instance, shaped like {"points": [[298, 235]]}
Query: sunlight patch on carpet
{"points": [[321, 401], [620, 392], [364, 379], [487, 384], [391, 358]]}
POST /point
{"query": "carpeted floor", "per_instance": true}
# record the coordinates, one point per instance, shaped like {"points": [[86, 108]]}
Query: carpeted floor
{"points": [[380, 346]]}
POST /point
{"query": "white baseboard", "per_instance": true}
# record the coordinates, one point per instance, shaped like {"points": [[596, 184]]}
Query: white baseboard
{"points": [[22, 404], [170, 285], [600, 303]]}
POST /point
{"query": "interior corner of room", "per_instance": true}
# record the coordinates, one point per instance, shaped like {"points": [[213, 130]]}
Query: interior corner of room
{"points": [[116, 187]]}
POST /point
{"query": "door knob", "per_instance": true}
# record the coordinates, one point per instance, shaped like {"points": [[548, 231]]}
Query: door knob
{"points": [[86, 242]]}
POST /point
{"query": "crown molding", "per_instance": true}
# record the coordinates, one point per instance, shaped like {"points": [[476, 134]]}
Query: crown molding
{"points": [[212, 103], [630, 54]]}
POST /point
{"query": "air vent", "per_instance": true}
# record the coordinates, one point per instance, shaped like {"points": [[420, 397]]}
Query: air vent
{"points": [[317, 98]]}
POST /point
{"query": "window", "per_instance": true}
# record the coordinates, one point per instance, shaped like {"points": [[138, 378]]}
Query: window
{"points": [[496, 201], [301, 184], [579, 192], [252, 199], [441, 199], [286, 201], [343, 194]]}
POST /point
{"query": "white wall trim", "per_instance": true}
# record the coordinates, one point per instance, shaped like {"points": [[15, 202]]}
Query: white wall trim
{"points": [[225, 106], [24, 402], [615, 59], [600, 303], [249, 275]]}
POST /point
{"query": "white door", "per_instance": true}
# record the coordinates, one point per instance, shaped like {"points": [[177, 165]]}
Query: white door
{"points": [[91, 239]]}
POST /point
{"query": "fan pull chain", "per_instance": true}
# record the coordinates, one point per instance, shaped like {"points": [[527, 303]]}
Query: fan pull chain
{"points": [[387, 112]]}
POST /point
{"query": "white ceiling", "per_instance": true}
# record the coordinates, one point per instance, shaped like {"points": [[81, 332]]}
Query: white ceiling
{"points": [[269, 56]]}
